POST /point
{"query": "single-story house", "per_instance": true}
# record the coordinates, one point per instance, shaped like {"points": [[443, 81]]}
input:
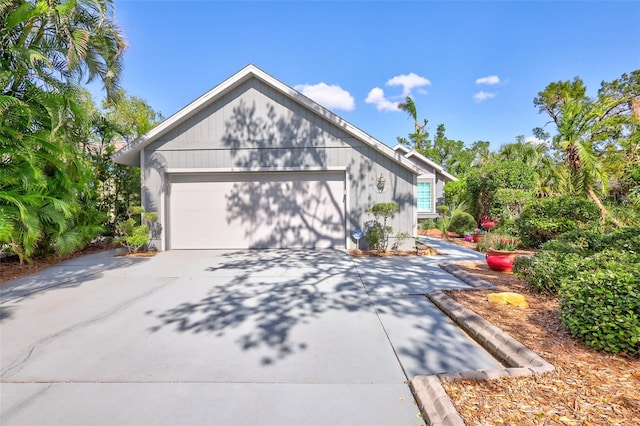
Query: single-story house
{"points": [[255, 164], [430, 189]]}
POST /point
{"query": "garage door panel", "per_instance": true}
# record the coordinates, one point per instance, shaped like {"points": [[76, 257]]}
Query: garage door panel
{"points": [[257, 210]]}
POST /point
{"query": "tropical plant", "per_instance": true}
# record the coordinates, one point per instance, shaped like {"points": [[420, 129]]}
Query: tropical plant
{"points": [[482, 185], [545, 219], [536, 156], [136, 233], [377, 234], [47, 192], [49, 43], [497, 242], [587, 129], [400, 239], [462, 222]]}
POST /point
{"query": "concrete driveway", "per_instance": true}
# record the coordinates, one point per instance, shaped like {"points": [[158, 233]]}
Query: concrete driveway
{"points": [[272, 337]]}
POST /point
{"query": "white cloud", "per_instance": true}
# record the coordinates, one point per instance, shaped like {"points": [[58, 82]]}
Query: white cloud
{"points": [[483, 96], [408, 82], [329, 96], [536, 141], [490, 80], [376, 97]]}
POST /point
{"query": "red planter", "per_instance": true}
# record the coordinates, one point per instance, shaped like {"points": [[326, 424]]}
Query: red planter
{"points": [[501, 260], [477, 238]]}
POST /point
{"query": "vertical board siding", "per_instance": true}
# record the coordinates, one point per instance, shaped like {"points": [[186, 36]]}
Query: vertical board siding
{"points": [[257, 126]]}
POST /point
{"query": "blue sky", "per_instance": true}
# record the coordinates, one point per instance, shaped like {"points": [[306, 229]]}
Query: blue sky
{"points": [[474, 66]]}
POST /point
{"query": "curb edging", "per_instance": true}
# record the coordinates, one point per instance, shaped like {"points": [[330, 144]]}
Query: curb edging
{"points": [[465, 276], [435, 405]]}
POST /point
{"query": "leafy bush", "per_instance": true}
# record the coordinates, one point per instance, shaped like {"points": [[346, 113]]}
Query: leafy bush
{"points": [[442, 210], [462, 222], [597, 277], [377, 235], [373, 237], [547, 270], [507, 227], [133, 234], [401, 237], [547, 218], [428, 224], [454, 192], [483, 184], [625, 239], [508, 203], [600, 305], [494, 241]]}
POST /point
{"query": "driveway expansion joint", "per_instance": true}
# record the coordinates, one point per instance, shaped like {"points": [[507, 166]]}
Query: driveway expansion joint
{"points": [[435, 405]]}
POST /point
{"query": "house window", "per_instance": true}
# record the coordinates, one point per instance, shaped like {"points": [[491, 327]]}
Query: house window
{"points": [[424, 196]]}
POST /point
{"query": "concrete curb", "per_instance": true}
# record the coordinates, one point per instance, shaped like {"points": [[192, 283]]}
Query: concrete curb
{"points": [[465, 276], [435, 405]]}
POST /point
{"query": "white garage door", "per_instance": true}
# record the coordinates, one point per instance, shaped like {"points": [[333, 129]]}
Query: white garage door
{"points": [[256, 210]]}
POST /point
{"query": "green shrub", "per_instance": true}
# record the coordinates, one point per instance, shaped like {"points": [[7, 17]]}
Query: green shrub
{"points": [[377, 236], [506, 226], [373, 237], [493, 241], [547, 218], [597, 277], [508, 203], [428, 224], [547, 270], [135, 234], [454, 192], [462, 222], [625, 239], [442, 210], [483, 184], [600, 304], [401, 237]]}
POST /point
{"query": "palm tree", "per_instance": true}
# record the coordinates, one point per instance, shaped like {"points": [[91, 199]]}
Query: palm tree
{"points": [[420, 135], [537, 156], [48, 48], [581, 125], [45, 43]]}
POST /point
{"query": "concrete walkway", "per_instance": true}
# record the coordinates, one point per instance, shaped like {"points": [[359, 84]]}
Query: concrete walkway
{"points": [[229, 338]]}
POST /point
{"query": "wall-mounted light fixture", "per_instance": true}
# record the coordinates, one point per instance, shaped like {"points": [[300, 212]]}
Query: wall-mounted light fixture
{"points": [[381, 182]]}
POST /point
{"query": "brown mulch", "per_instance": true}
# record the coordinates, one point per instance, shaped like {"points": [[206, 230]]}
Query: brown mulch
{"points": [[10, 267], [586, 388], [427, 251], [149, 253]]}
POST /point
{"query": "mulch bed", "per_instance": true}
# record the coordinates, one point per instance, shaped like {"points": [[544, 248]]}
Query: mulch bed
{"points": [[586, 388], [427, 251]]}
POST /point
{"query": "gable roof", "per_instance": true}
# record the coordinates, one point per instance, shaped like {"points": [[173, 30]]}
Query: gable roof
{"points": [[130, 155], [412, 153]]}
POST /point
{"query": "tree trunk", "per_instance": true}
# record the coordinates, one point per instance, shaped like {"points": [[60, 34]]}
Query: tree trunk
{"points": [[603, 210]]}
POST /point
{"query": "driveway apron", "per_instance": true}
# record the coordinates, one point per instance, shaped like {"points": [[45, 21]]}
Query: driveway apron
{"points": [[278, 337]]}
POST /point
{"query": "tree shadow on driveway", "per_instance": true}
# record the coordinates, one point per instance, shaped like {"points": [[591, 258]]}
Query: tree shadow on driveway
{"points": [[284, 302]]}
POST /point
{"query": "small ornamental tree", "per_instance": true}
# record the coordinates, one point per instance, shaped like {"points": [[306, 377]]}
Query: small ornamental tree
{"points": [[133, 234], [377, 236]]}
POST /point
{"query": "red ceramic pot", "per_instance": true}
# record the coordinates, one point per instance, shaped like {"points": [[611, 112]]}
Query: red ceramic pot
{"points": [[489, 224], [501, 260], [477, 238]]}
